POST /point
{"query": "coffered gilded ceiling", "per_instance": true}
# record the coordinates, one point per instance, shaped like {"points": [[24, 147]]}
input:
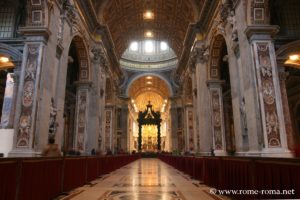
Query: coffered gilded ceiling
{"points": [[126, 23], [144, 84]]}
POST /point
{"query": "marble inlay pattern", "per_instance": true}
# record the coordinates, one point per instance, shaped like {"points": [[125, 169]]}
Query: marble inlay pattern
{"points": [[128, 195], [146, 179]]}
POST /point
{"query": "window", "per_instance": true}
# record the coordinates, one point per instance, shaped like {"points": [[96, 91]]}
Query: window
{"points": [[6, 22], [149, 46], [163, 46], [134, 46]]}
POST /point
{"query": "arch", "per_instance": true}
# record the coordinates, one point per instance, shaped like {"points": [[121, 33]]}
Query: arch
{"points": [[283, 53], [215, 59], [83, 58], [130, 81], [286, 49], [221, 99], [11, 51]]}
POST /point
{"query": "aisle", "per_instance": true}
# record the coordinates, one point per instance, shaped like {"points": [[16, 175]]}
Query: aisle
{"points": [[146, 179]]}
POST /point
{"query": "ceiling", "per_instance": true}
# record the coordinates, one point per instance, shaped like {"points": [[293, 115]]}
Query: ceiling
{"points": [[143, 99], [141, 85], [125, 21]]}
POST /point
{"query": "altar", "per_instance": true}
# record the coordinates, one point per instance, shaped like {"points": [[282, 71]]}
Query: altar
{"points": [[149, 134], [149, 138]]}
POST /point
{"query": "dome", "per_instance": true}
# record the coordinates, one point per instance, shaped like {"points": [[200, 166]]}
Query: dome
{"points": [[148, 55]]}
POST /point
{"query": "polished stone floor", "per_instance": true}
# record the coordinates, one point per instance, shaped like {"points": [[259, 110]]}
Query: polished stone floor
{"points": [[146, 179]]}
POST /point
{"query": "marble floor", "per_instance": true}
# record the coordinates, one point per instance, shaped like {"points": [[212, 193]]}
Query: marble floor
{"points": [[146, 179]]}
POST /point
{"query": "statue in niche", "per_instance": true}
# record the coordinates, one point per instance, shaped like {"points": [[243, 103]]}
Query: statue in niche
{"points": [[243, 114], [53, 124]]}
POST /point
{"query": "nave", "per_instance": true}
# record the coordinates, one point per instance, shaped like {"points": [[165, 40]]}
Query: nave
{"points": [[147, 179]]}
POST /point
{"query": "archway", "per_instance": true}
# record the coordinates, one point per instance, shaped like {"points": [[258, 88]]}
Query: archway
{"points": [[289, 76], [285, 14], [76, 96], [220, 90], [10, 71], [156, 117]]}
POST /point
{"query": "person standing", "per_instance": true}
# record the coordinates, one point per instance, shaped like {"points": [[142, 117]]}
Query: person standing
{"points": [[51, 149]]}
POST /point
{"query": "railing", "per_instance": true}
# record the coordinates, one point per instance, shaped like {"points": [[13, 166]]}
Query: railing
{"points": [[242, 173], [46, 178]]}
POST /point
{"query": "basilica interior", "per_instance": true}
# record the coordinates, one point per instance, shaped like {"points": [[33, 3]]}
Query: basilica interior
{"points": [[209, 89]]}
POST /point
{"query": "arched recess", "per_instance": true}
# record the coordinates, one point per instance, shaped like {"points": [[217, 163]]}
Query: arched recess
{"points": [[289, 76], [165, 81], [220, 96], [76, 96], [141, 91], [82, 54]]}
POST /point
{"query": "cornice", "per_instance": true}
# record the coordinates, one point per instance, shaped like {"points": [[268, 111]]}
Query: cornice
{"points": [[201, 26], [90, 18]]}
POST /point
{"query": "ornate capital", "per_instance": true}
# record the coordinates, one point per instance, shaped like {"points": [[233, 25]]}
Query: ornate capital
{"points": [[200, 54], [225, 9], [69, 11], [98, 56]]}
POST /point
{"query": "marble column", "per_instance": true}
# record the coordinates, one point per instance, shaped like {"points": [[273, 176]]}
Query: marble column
{"points": [[217, 116], [268, 87], [204, 134]]}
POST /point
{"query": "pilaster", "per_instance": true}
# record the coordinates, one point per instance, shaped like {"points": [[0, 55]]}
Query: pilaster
{"points": [[217, 116], [27, 100], [268, 88], [82, 108]]}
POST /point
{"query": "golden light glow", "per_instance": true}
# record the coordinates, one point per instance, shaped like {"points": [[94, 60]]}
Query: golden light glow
{"points": [[149, 82], [4, 59], [293, 61], [143, 99], [148, 15], [149, 77], [149, 34], [5, 62], [149, 131], [294, 57], [199, 37], [149, 139]]}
